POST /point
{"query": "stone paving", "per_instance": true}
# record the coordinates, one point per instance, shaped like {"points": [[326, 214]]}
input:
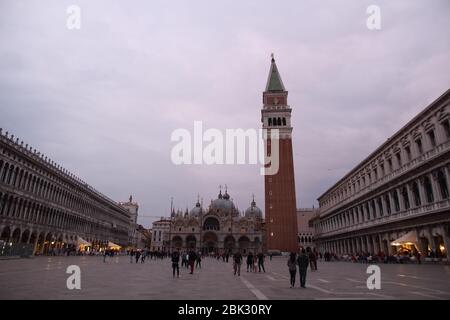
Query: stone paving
{"points": [[45, 278]]}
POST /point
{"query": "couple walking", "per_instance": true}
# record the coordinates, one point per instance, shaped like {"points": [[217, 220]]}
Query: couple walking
{"points": [[302, 261]]}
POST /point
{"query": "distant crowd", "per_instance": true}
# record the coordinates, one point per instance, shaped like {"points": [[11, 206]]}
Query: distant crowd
{"points": [[399, 257]]}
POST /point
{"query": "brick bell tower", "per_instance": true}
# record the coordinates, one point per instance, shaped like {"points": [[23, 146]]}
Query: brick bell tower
{"points": [[280, 199]]}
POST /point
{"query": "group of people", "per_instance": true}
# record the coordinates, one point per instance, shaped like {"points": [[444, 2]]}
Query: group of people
{"points": [[253, 260], [302, 260], [109, 253], [224, 256], [191, 258], [380, 257], [138, 255], [188, 259]]}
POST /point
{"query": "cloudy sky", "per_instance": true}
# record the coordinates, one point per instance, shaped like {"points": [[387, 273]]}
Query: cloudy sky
{"points": [[103, 100]]}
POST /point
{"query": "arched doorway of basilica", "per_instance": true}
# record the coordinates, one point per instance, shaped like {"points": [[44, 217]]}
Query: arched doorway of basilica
{"points": [[210, 242], [244, 244], [211, 223], [191, 242], [258, 245], [177, 242], [229, 243]]}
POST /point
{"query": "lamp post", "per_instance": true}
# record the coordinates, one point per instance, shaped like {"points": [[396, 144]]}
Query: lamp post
{"points": [[170, 225]]}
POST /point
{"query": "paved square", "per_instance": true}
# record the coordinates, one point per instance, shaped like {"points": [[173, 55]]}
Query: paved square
{"points": [[45, 278]]}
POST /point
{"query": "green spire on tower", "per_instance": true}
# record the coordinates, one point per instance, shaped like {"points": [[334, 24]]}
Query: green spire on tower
{"points": [[274, 82]]}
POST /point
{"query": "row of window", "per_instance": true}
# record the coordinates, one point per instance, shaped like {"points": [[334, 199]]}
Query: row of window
{"points": [[39, 187], [154, 235], [274, 122], [408, 196], [390, 164], [36, 213], [305, 239]]}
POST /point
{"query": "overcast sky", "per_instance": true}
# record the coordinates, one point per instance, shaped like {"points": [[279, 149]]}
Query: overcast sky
{"points": [[103, 101]]}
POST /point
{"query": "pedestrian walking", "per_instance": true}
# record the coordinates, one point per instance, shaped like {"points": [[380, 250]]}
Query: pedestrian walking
{"points": [[198, 261], [138, 255], [302, 262], [250, 262], [175, 263], [261, 261], [192, 256], [292, 266], [312, 260], [237, 261], [184, 260]]}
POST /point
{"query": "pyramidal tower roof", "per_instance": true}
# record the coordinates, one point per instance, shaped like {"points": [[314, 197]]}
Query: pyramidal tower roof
{"points": [[274, 82]]}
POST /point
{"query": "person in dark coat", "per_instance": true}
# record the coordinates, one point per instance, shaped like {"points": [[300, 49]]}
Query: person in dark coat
{"points": [[192, 258], [250, 262], [292, 266], [198, 261], [302, 262], [261, 262], [312, 260], [138, 255], [175, 263], [237, 261]]}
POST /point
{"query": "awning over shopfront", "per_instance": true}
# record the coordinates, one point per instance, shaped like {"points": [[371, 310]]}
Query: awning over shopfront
{"points": [[408, 239], [83, 243], [112, 245]]}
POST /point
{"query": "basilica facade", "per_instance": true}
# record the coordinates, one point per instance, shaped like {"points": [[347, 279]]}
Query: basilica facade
{"points": [[220, 228]]}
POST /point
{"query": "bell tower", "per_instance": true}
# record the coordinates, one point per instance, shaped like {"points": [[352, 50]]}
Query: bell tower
{"points": [[280, 198]]}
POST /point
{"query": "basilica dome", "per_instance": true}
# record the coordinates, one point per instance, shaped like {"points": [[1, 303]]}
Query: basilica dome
{"points": [[222, 202], [253, 211], [196, 211]]}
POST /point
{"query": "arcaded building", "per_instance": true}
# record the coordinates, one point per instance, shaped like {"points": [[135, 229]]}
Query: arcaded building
{"points": [[219, 228], [397, 199], [45, 207]]}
